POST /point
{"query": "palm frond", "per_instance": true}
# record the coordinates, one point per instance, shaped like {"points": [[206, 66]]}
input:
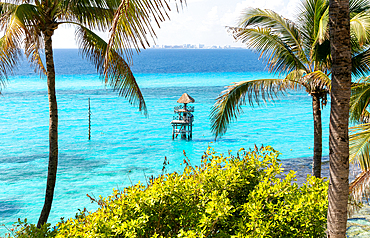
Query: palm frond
{"points": [[132, 25], [6, 9], [267, 19], [255, 17], [316, 81], [26, 15], [280, 58], [33, 44], [322, 31], [359, 189], [93, 14], [228, 105], [359, 146], [360, 27], [359, 102], [360, 63], [358, 6], [313, 22], [8, 60], [11, 42], [118, 73], [296, 75]]}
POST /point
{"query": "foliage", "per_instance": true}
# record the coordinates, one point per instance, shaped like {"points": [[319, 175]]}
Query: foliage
{"points": [[23, 229], [298, 49], [277, 208], [359, 145], [243, 196], [359, 113]]}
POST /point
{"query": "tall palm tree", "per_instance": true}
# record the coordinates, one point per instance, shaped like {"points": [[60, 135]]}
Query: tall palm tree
{"points": [[31, 24], [298, 49], [340, 46]]}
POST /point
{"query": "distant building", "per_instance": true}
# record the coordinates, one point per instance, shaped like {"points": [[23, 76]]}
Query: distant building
{"points": [[177, 47], [197, 46]]}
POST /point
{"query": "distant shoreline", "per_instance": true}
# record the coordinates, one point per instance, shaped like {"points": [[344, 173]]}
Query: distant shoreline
{"points": [[303, 167], [174, 48]]}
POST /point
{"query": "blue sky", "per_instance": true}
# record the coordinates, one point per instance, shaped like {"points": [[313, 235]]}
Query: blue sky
{"points": [[200, 22]]}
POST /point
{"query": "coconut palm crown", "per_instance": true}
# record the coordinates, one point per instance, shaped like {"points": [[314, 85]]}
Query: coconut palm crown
{"points": [[29, 25], [301, 51]]}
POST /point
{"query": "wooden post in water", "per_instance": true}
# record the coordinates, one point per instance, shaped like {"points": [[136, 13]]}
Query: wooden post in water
{"points": [[89, 121]]}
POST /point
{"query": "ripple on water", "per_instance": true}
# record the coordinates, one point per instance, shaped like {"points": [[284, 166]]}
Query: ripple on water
{"points": [[80, 163], [8, 208], [22, 159]]}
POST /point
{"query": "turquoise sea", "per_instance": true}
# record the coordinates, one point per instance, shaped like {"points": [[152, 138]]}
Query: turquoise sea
{"points": [[126, 146]]}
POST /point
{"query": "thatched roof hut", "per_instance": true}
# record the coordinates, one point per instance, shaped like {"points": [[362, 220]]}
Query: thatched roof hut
{"points": [[185, 98]]}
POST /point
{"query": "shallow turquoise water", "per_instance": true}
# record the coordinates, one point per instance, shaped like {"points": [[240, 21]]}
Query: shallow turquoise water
{"points": [[126, 145]]}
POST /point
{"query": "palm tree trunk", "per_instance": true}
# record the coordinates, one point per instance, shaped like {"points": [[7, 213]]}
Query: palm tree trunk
{"points": [[53, 130], [338, 132], [317, 151]]}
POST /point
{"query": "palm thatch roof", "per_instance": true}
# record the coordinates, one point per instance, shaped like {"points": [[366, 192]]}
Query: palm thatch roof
{"points": [[185, 98]]}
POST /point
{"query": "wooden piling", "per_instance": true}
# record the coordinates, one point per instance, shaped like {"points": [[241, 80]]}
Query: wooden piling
{"points": [[89, 120]]}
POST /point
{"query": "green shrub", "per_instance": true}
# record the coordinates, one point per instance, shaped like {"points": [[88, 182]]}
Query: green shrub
{"points": [[280, 209], [232, 196], [23, 229], [224, 196]]}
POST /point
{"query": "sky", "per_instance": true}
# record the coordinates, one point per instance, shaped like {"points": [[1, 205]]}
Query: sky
{"points": [[199, 22]]}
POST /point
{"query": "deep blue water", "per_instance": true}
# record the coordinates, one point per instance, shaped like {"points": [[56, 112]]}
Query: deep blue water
{"points": [[125, 144]]}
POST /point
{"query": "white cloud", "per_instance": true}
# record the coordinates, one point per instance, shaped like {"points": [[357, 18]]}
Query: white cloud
{"points": [[64, 37], [200, 22], [212, 15], [286, 8]]}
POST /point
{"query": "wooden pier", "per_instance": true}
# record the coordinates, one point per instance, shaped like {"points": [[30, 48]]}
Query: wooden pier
{"points": [[182, 123]]}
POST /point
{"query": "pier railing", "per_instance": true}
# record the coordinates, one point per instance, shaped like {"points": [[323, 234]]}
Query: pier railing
{"points": [[181, 107], [188, 119]]}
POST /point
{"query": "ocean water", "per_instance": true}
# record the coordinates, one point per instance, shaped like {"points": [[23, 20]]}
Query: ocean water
{"points": [[126, 147]]}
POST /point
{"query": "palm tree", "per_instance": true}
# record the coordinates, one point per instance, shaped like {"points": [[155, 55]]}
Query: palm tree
{"points": [[359, 139], [301, 51], [31, 24], [340, 46]]}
